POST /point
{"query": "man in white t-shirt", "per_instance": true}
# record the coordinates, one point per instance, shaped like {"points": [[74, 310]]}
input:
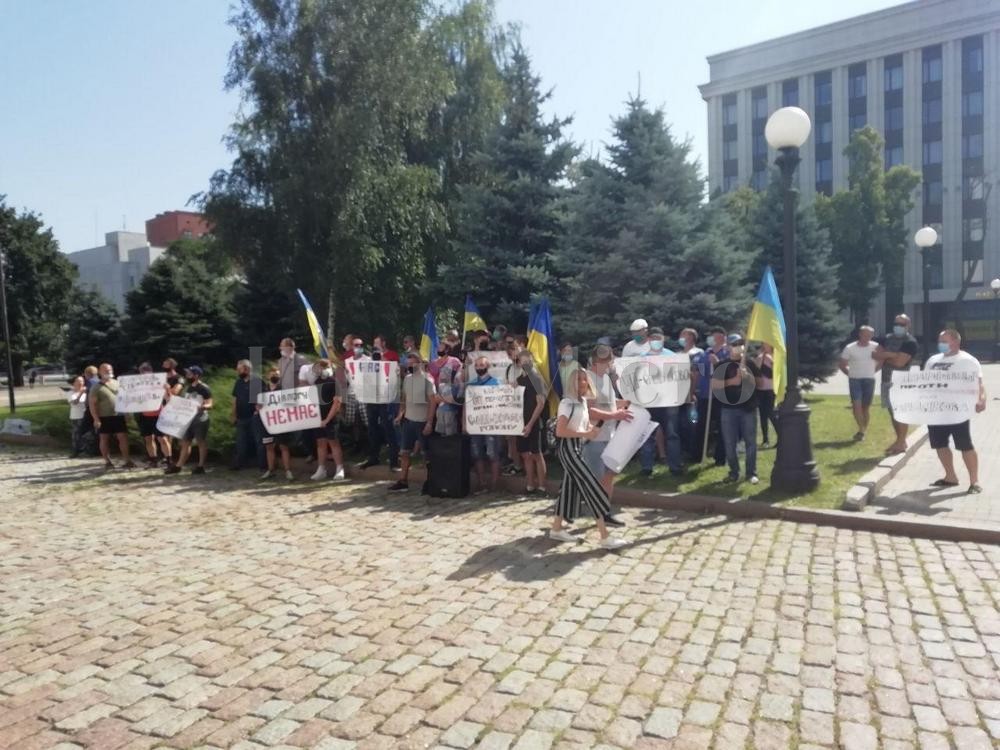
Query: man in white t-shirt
{"points": [[857, 363], [639, 344], [951, 357]]}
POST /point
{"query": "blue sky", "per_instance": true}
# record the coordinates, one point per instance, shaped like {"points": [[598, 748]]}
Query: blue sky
{"points": [[114, 110]]}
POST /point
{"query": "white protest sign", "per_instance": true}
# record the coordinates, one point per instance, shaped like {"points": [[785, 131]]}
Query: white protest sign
{"points": [[374, 381], [176, 416], [654, 381], [140, 392], [629, 437], [494, 409], [290, 409], [934, 397], [499, 362]]}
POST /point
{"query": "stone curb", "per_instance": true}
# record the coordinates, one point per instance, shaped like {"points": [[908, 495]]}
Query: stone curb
{"points": [[38, 440], [868, 486]]}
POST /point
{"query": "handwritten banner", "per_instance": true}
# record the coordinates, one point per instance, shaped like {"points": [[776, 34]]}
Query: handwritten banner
{"points": [[934, 397], [499, 362], [654, 381], [290, 410], [176, 416], [140, 392], [374, 382], [494, 409]]}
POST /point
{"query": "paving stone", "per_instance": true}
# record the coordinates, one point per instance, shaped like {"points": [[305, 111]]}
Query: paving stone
{"points": [[663, 722]]}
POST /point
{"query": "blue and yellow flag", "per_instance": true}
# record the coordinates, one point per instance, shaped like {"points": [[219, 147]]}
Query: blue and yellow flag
{"points": [[767, 324], [542, 345], [319, 340], [473, 320], [428, 337]]}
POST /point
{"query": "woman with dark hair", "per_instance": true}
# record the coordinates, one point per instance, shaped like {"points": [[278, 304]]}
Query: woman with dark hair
{"points": [[765, 393], [579, 484]]}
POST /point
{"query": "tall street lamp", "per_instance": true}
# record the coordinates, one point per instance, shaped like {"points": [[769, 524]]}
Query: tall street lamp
{"points": [[926, 238], [6, 330], [794, 468], [995, 286]]}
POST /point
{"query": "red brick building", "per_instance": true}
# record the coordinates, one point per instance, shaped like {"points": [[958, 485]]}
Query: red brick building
{"points": [[169, 226]]}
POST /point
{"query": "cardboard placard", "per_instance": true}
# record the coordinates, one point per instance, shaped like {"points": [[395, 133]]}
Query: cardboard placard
{"points": [[494, 409], [137, 393], [176, 416], [934, 397], [655, 381], [374, 381], [290, 410], [499, 363]]}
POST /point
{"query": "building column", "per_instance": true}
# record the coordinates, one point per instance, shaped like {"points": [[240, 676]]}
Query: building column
{"points": [[743, 136], [714, 105], [807, 168], [841, 133], [951, 169], [991, 153], [913, 152], [876, 95]]}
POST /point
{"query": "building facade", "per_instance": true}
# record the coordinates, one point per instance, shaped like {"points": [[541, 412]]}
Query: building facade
{"points": [[170, 226], [926, 75], [115, 268]]}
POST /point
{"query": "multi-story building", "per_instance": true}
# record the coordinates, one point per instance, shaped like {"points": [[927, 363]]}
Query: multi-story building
{"points": [[926, 75], [170, 226], [115, 268]]}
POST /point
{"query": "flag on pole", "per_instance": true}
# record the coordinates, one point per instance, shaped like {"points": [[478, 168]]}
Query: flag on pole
{"points": [[319, 340], [473, 320], [542, 345], [767, 324], [428, 337]]}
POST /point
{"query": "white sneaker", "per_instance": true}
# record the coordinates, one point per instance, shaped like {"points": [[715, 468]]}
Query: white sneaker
{"points": [[319, 474], [267, 474], [289, 476], [529, 490], [613, 543], [562, 536], [754, 479], [340, 473]]}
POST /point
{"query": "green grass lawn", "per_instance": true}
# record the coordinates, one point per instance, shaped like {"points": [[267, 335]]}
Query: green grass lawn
{"points": [[841, 461]]}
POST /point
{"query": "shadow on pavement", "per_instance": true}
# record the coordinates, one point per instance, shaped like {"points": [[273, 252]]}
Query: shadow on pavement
{"points": [[920, 502]]}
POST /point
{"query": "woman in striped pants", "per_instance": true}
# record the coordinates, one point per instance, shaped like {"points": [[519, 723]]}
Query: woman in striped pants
{"points": [[579, 484]]}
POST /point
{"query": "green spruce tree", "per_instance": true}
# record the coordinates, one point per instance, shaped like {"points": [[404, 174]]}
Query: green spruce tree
{"points": [[640, 242], [93, 333]]}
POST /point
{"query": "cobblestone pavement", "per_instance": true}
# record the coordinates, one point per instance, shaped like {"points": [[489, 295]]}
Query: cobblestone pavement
{"points": [[144, 611], [909, 494]]}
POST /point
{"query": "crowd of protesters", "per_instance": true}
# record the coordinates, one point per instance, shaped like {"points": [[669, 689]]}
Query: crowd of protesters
{"points": [[731, 395]]}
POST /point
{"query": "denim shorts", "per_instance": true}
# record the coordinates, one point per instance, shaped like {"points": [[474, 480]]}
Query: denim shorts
{"points": [[862, 389], [484, 446], [413, 433]]}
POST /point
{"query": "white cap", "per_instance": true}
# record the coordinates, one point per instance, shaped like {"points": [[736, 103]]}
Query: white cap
{"points": [[638, 324]]}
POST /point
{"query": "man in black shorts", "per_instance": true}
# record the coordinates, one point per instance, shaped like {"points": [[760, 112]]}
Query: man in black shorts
{"points": [[197, 433], [951, 358], [107, 421], [529, 442]]}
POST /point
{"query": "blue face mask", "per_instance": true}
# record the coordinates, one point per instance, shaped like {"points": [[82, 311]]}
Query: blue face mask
{"points": [[943, 347], [656, 345], [899, 330], [637, 338]]}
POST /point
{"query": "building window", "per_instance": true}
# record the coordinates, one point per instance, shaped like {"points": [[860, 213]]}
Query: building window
{"points": [[972, 272], [824, 132], [824, 170], [893, 156], [893, 73], [856, 122], [933, 194], [790, 93], [932, 112], [759, 180], [973, 230], [730, 150], [932, 66], [932, 152], [758, 103], [759, 145], [824, 88], [973, 189], [972, 146], [729, 116], [857, 82], [730, 183], [894, 118], [972, 55], [972, 103], [935, 263]]}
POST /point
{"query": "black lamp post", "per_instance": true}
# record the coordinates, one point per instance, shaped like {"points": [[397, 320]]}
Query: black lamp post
{"points": [[926, 238], [794, 468], [6, 331], [995, 287]]}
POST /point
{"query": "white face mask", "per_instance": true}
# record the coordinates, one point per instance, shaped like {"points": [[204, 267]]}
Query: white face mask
{"points": [[286, 352], [327, 373]]}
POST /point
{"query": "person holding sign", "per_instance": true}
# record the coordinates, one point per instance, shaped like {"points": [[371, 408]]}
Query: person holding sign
{"points": [[485, 447], [197, 433], [735, 387], [107, 421], [579, 484], [147, 428], [328, 434], [415, 398], [281, 440], [951, 358]]}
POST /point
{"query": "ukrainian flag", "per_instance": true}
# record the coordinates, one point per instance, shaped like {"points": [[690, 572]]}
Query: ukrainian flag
{"points": [[429, 337], [542, 345], [473, 320], [767, 324], [319, 340]]}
